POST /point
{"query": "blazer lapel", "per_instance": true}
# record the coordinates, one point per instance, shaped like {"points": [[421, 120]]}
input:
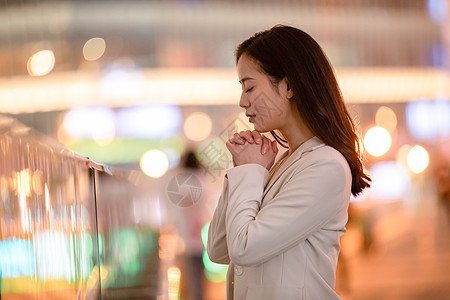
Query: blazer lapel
{"points": [[310, 145]]}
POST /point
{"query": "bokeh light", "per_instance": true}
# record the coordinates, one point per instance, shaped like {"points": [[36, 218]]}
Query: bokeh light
{"points": [[94, 48], [47, 198], [154, 163], [390, 181], [97, 123], [437, 9], [122, 80], [377, 141], [418, 159], [386, 118], [41, 63], [197, 126], [149, 121], [427, 120], [213, 271], [173, 278]]}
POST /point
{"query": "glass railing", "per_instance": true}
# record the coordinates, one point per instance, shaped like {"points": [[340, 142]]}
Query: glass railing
{"points": [[69, 227]]}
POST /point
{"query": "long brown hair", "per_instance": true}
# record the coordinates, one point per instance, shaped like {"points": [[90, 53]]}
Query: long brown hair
{"points": [[285, 51]]}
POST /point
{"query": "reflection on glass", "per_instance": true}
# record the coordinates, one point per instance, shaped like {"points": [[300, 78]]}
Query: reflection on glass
{"points": [[127, 243], [66, 229], [47, 219]]}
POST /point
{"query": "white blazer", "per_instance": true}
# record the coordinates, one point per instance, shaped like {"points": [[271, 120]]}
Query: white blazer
{"points": [[281, 238]]}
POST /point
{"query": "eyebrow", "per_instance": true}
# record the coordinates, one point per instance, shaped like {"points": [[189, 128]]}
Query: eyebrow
{"points": [[244, 79]]}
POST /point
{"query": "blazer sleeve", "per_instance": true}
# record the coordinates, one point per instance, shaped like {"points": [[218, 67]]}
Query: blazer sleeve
{"points": [[217, 245], [304, 204]]}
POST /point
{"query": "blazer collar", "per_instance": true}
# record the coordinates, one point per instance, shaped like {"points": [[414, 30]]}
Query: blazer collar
{"points": [[308, 146]]}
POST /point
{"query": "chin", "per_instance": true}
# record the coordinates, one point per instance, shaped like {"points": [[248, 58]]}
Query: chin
{"points": [[261, 129]]}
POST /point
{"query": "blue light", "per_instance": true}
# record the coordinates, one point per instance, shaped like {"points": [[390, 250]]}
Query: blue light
{"points": [[16, 258], [427, 120], [437, 9]]}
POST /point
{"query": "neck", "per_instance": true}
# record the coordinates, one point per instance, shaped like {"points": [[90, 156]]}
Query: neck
{"points": [[296, 133], [295, 141]]}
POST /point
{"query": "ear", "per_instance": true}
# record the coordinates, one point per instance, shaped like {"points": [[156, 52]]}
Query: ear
{"points": [[289, 92]]}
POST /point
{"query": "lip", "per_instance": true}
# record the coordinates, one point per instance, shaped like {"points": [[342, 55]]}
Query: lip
{"points": [[251, 117]]}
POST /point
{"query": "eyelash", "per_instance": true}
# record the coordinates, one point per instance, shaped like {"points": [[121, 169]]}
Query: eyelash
{"points": [[249, 90]]}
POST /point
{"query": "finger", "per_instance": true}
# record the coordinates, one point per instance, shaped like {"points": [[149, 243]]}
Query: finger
{"points": [[275, 146], [256, 136], [236, 139], [247, 135], [265, 145], [230, 146]]}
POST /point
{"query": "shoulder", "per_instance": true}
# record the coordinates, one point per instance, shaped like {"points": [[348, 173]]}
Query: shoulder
{"points": [[325, 158], [325, 153]]}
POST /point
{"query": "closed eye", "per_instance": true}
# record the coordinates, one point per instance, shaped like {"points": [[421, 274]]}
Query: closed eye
{"points": [[249, 90]]}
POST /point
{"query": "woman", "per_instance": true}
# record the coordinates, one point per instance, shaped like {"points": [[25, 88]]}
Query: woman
{"points": [[278, 226]]}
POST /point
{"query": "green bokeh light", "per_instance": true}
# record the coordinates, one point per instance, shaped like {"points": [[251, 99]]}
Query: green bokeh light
{"points": [[213, 271], [122, 150]]}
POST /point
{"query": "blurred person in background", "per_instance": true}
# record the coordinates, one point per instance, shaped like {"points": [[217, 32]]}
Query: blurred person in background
{"points": [[278, 225], [189, 220]]}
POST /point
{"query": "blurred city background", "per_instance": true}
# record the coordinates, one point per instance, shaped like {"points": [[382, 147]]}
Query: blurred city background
{"points": [[113, 119]]}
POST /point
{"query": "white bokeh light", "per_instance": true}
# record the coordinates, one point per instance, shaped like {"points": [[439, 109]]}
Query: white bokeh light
{"points": [[149, 121], [122, 81], [41, 63], [418, 159], [97, 123], [154, 163], [377, 141], [390, 181]]}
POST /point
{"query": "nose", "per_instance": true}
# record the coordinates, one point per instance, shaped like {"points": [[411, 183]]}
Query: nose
{"points": [[243, 102]]}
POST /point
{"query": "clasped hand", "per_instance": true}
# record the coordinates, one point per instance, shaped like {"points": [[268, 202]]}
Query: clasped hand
{"points": [[248, 147]]}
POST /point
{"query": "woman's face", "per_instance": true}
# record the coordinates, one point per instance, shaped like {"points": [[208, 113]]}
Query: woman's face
{"points": [[267, 105]]}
